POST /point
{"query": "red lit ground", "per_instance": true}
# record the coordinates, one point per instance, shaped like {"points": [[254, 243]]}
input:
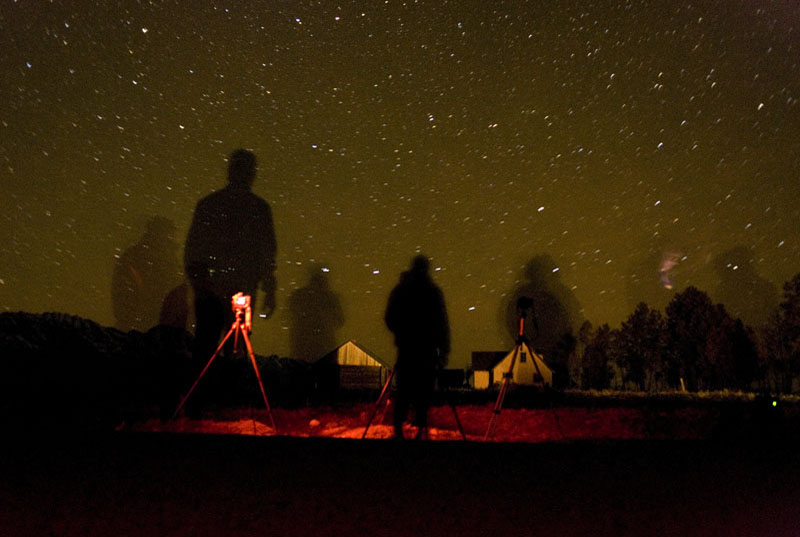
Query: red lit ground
{"points": [[689, 470], [512, 424]]}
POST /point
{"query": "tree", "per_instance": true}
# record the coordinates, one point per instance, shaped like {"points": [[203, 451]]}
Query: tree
{"points": [[559, 361], [709, 349], [790, 312], [732, 355], [640, 347], [597, 372], [690, 318], [780, 341]]}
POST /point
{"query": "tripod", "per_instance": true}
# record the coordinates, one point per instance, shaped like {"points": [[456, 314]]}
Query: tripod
{"points": [[520, 349], [419, 433], [241, 326]]}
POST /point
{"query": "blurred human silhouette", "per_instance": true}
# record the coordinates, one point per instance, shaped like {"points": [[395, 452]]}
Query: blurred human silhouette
{"points": [[143, 275], [742, 290], [315, 316], [417, 316], [230, 247], [555, 316]]}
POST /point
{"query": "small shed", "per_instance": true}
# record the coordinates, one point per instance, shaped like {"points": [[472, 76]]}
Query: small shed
{"points": [[483, 363], [352, 367], [489, 368]]}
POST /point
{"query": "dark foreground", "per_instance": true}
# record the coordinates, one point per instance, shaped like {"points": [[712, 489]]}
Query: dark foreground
{"points": [[171, 484]]}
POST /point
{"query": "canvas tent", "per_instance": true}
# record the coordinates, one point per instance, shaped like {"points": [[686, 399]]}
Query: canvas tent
{"points": [[351, 366], [529, 368]]}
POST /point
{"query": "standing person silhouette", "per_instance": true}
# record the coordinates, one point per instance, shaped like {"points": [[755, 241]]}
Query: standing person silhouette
{"points": [[417, 316], [230, 247]]}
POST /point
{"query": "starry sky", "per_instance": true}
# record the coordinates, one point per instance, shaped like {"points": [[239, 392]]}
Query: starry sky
{"points": [[638, 147]]}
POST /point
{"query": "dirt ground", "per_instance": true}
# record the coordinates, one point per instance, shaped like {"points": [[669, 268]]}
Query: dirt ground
{"points": [[545, 423], [192, 484], [550, 471]]}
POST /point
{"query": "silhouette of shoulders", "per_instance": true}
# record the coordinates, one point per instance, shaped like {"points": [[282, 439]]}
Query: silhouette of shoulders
{"points": [[416, 311], [233, 232]]}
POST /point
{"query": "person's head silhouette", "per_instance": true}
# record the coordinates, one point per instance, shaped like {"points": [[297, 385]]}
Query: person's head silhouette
{"points": [[242, 168], [420, 265], [159, 233]]}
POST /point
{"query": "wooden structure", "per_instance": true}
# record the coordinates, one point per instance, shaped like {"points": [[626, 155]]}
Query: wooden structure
{"points": [[352, 367], [489, 367]]}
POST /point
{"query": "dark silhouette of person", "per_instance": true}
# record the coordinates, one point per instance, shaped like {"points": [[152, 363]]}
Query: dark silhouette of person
{"points": [[230, 247], [417, 316], [315, 316], [143, 275]]}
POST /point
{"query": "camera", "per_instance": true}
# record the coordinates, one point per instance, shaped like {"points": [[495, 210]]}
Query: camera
{"points": [[240, 303], [524, 303]]}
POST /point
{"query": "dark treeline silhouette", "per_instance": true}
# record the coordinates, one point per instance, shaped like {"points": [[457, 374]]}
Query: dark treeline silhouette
{"points": [[779, 344], [696, 344], [59, 372]]}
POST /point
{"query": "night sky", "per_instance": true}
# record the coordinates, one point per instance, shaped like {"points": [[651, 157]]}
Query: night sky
{"points": [[627, 149]]}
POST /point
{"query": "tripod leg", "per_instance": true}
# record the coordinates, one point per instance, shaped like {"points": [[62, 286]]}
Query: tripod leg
{"points": [[498, 406], [203, 372], [535, 363], [446, 393], [258, 375], [549, 401], [496, 411], [458, 421], [378, 403]]}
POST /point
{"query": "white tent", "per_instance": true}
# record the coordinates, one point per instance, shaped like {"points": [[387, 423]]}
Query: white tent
{"points": [[529, 368]]}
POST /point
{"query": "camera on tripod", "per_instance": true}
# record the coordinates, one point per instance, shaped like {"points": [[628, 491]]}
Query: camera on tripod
{"points": [[242, 326], [524, 304], [240, 303]]}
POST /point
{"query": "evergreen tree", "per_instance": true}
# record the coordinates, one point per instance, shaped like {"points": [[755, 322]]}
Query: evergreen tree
{"points": [[559, 360], [790, 311], [691, 317], [640, 348], [597, 372], [709, 349], [585, 335], [732, 355], [780, 340]]}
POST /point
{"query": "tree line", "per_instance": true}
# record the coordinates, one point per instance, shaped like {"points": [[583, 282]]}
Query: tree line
{"points": [[695, 344]]}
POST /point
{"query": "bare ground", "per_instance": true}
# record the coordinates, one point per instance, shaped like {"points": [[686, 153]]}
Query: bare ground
{"points": [[568, 471], [189, 484]]}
